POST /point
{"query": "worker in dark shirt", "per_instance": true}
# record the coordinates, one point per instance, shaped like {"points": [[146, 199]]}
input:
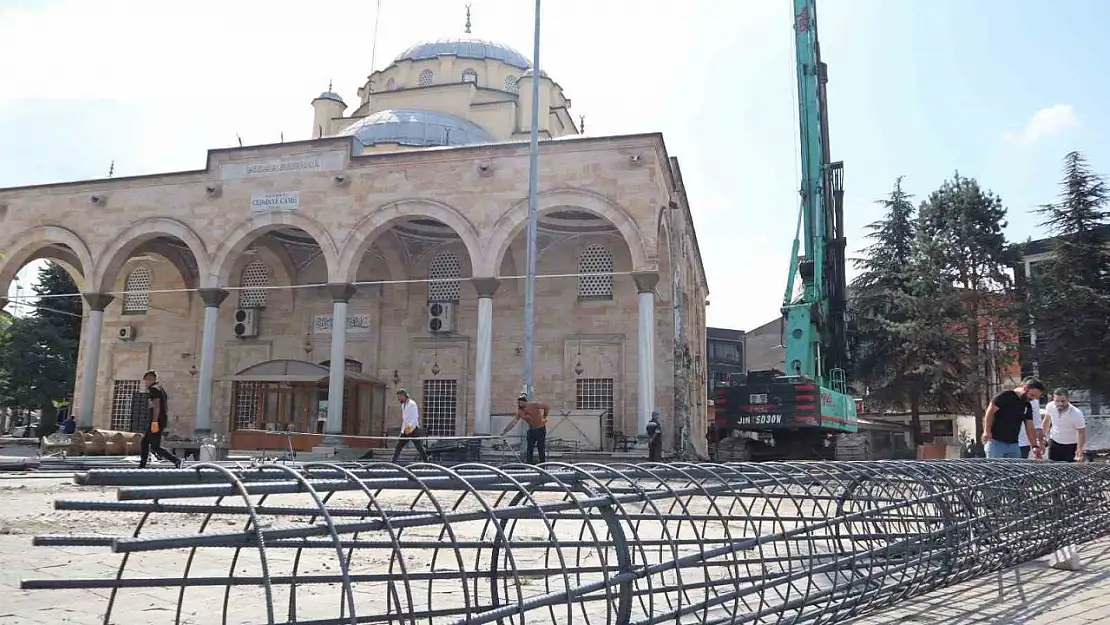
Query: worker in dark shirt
{"points": [[152, 438], [533, 413], [1007, 413], [655, 439]]}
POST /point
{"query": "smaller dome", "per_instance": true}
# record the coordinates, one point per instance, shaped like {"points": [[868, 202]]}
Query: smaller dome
{"points": [[416, 128], [465, 48], [331, 95]]}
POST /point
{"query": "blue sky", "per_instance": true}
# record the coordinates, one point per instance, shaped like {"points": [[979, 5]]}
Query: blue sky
{"points": [[998, 90]]}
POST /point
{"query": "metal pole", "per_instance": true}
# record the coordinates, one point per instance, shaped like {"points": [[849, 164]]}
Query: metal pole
{"points": [[533, 183]]}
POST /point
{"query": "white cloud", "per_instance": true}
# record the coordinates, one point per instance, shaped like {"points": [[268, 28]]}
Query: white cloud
{"points": [[1044, 123]]}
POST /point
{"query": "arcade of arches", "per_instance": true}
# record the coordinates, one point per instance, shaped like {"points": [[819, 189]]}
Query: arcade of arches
{"points": [[402, 264]]}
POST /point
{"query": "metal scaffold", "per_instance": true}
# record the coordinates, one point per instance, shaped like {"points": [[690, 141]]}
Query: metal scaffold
{"points": [[710, 544]]}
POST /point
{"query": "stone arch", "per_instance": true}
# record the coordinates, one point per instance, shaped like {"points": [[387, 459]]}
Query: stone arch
{"points": [[512, 221], [381, 219], [113, 256], [28, 245], [241, 237]]}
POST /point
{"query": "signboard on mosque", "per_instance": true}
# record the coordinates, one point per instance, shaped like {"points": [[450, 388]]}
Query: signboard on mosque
{"points": [[356, 324], [326, 161], [268, 202]]}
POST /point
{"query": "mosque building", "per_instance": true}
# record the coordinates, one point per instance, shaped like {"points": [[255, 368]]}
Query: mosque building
{"points": [[294, 287]]}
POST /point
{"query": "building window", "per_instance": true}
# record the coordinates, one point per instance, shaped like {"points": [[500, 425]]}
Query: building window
{"points": [[440, 407], [247, 405], [123, 399], [349, 364], [726, 352], [446, 269], [470, 75], [391, 85], [426, 78], [254, 282], [593, 394], [595, 259], [511, 84], [136, 297]]}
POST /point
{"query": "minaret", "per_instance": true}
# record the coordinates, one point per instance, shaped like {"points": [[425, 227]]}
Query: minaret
{"points": [[328, 106]]}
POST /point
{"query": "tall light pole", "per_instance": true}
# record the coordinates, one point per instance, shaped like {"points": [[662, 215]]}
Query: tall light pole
{"points": [[533, 182]]}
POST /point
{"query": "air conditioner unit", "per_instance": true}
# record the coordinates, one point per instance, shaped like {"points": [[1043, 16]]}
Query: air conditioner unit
{"points": [[126, 333], [441, 317], [246, 323]]}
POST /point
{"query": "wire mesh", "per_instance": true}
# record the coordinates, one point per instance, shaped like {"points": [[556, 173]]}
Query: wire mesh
{"points": [[615, 544]]}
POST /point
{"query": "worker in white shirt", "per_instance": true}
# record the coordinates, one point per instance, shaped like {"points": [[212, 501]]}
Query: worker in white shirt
{"points": [[1066, 427], [1023, 438], [410, 426]]}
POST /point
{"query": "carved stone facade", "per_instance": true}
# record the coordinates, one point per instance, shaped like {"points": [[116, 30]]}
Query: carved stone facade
{"points": [[278, 227]]}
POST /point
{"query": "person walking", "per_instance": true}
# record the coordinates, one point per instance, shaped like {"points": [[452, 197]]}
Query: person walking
{"points": [[1036, 446], [533, 413], [156, 426], [410, 427], [1067, 429], [1007, 413], [655, 438]]}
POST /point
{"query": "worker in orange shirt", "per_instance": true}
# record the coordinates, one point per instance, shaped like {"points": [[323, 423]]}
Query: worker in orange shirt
{"points": [[533, 413]]}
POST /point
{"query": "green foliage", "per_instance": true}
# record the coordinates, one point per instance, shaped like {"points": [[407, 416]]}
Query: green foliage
{"points": [[903, 307], [38, 353], [1069, 295]]}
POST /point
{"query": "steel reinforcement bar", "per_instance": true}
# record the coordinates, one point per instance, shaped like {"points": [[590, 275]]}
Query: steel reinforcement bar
{"points": [[328, 544]]}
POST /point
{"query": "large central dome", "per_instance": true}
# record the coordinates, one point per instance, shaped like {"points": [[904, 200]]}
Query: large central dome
{"points": [[465, 48]]}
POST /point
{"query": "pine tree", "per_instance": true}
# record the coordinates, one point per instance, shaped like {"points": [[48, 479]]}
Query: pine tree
{"points": [[38, 353], [1070, 294], [965, 224]]}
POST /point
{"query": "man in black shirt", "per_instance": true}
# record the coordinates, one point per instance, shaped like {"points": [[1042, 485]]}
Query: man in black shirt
{"points": [[152, 438], [1007, 413]]}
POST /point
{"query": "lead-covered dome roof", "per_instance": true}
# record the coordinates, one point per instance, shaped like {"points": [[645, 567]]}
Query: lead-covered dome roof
{"points": [[465, 48], [416, 128]]}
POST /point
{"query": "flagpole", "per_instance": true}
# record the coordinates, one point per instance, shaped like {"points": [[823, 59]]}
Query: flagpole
{"points": [[533, 183]]}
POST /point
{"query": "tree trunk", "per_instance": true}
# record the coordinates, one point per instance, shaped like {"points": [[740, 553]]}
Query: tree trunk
{"points": [[915, 421]]}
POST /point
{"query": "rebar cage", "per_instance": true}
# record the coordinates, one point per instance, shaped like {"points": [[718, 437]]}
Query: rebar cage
{"points": [[324, 544]]}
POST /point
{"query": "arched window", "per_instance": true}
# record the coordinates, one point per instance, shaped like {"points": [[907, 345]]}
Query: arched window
{"points": [[445, 267], [136, 297], [510, 84], [391, 85], [595, 259], [426, 78], [470, 75], [254, 280]]}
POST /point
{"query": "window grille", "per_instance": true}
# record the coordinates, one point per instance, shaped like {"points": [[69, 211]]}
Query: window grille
{"points": [[254, 280], [391, 85], [441, 399], [511, 85], [446, 269], [136, 297], [595, 394], [426, 78], [595, 259], [247, 404], [123, 393], [470, 75]]}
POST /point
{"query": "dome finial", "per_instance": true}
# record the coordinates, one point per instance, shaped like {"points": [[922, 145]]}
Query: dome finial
{"points": [[329, 85], [468, 18]]}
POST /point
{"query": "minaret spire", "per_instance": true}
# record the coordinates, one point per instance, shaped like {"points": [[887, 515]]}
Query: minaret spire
{"points": [[468, 18]]}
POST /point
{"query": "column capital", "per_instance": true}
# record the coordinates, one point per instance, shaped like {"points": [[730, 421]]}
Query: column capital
{"points": [[212, 298], [97, 301], [486, 287], [341, 292], [645, 280]]}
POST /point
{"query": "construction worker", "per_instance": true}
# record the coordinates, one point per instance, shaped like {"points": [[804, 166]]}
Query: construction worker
{"points": [[535, 415], [655, 438], [1067, 429], [410, 427], [152, 437]]}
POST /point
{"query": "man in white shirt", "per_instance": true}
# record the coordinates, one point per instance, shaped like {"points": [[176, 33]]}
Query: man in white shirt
{"points": [[1066, 427], [1023, 438], [410, 427]]}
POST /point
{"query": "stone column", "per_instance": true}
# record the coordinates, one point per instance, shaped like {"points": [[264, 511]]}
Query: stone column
{"points": [[96, 303], [483, 359], [212, 299], [341, 293], [645, 348]]}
